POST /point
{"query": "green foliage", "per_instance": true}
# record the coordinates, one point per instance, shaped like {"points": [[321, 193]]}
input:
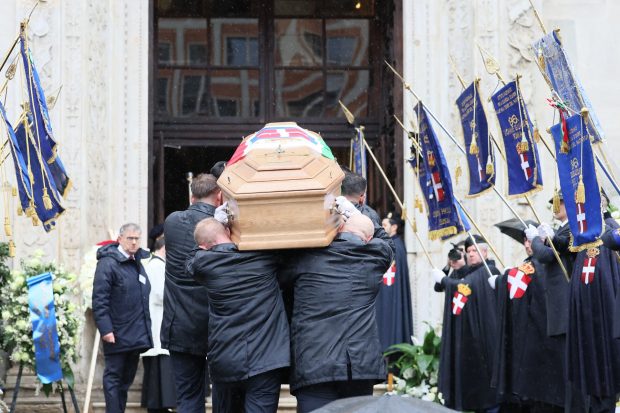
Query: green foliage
{"points": [[418, 366]]}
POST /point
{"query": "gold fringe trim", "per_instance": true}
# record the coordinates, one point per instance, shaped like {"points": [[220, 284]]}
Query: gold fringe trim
{"points": [[479, 193], [440, 233], [523, 146], [473, 147], [533, 191], [7, 227], [35, 221], [582, 247], [580, 194]]}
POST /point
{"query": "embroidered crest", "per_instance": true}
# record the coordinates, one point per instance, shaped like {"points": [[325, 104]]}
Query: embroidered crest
{"points": [[460, 298], [518, 280], [527, 268], [589, 266], [390, 275]]}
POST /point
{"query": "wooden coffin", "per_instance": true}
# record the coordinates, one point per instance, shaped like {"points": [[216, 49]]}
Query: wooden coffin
{"points": [[281, 193]]}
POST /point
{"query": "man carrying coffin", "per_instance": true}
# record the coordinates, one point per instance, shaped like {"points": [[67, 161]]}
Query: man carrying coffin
{"points": [[248, 329], [335, 345], [529, 363], [469, 336]]}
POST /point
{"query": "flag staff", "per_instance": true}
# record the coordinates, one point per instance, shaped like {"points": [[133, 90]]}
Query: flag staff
{"points": [[493, 68], [351, 119], [469, 217]]}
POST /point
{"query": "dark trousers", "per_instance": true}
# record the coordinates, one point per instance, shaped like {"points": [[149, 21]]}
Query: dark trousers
{"points": [[315, 396], [120, 370], [258, 394], [191, 379]]}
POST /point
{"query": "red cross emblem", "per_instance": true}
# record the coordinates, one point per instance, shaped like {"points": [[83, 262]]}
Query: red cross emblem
{"points": [[525, 165], [390, 275], [458, 302], [581, 218], [517, 283], [437, 186], [587, 273]]}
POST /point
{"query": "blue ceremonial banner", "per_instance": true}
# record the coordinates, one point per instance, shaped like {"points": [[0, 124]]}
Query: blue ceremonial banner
{"points": [[44, 333], [559, 73], [580, 189], [522, 160], [47, 209], [480, 160], [358, 151], [41, 125], [24, 187], [435, 182]]}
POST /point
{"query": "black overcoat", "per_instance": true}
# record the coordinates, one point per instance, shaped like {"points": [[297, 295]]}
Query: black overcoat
{"points": [[611, 239], [394, 314], [121, 300], [555, 283], [376, 221], [529, 364], [468, 343], [593, 354], [334, 334], [248, 329], [186, 304]]}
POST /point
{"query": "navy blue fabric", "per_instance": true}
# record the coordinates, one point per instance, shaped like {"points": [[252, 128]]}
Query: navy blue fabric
{"points": [[394, 314], [190, 379], [248, 329], [334, 335], [120, 370], [258, 394], [121, 300], [186, 305]]}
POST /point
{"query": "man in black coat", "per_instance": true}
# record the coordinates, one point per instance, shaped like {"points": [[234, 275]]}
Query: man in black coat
{"points": [[335, 344], [121, 311], [248, 329], [186, 305], [353, 188], [394, 314], [469, 337], [556, 284], [529, 364]]}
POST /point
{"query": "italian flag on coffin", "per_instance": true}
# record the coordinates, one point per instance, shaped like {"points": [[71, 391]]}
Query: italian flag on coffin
{"points": [[281, 135]]}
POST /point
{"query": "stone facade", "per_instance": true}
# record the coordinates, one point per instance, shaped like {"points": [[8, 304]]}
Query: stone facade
{"points": [[98, 51]]}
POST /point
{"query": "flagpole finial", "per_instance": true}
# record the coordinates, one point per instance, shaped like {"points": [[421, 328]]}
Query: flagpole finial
{"points": [[347, 113]]}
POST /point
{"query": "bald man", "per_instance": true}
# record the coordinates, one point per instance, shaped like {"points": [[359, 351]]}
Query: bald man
{"points": [[248, 330], [335, 346]]}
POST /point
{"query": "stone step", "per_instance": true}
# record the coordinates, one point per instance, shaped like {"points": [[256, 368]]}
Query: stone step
{"points": [[285, 406]]}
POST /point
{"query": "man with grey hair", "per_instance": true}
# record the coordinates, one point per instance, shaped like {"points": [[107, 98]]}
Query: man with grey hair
{"points": [[121, 311]]}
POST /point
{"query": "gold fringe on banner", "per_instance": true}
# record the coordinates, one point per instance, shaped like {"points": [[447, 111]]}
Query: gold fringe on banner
{"points": [[440, 233], [580, 194]]}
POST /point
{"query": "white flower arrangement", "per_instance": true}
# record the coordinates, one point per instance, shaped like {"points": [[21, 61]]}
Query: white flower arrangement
{"points": [[17, 339]]}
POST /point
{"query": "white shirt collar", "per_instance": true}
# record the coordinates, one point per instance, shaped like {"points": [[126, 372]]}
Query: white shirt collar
{"points": [[122, 251]]}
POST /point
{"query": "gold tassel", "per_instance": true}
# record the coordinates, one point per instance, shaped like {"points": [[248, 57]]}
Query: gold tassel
{"points": [[418, 204], [580, 194], [47, 202], [415, 225], [490, 169], [523, 146], [564, 147], [30, 211], [20, 211], [458, 173], [35, 221], [537, 136], [403, 214], [11, 249], [7, 227], [556, 202], [541, 58], [473, 148], [14, 191]]}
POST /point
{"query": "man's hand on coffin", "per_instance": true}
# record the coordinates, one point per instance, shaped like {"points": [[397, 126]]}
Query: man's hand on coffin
{"points": [[345, 208], [221, 213]]}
